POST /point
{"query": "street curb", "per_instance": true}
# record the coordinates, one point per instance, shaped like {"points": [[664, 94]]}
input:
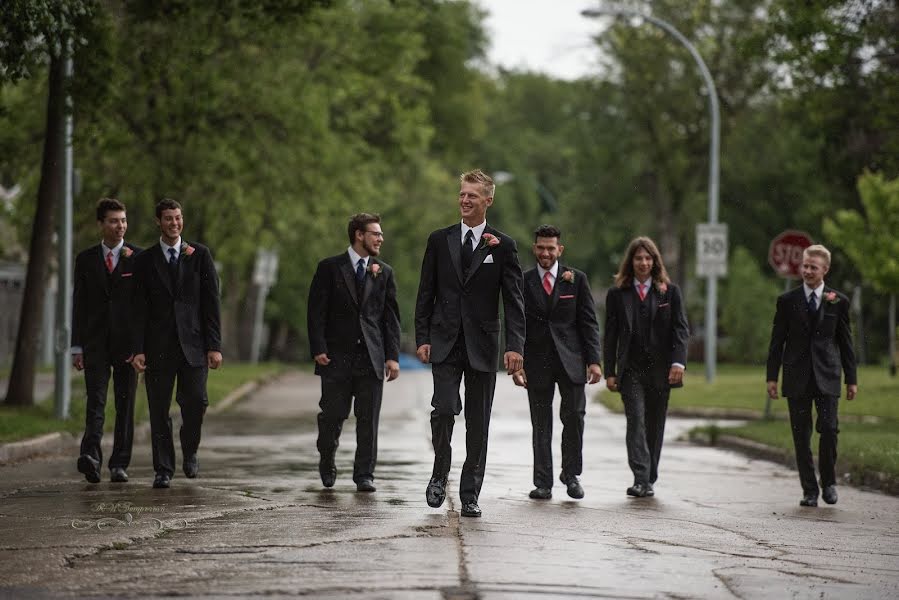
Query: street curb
{"points": [[66, 443]]}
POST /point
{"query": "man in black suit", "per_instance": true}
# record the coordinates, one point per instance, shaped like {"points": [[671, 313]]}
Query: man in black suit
{"points": [[645, 352], [812, 339], [354, 337], [561, 348], [465, 269], [178, 335], [101, 340]]}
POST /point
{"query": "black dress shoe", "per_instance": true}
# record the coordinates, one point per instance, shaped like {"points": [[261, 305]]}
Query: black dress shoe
{"points": [[640, 490], [118, 475], [829, 493], [162, 480], [436, 492], [365, 485], [809, 500], [471, 509], [541, 493], [90, 467], [650, 492], [327, 471], [191, 466], [574, 486]]}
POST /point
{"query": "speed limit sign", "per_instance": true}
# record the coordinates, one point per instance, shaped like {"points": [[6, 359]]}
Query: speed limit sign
{"points": [[711, 249]]}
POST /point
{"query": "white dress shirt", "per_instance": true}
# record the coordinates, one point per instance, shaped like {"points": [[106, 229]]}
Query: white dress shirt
{"points": [[354, 258], [819, 293], [553, 271], [165, 249], [476, 231], [648, 288]]}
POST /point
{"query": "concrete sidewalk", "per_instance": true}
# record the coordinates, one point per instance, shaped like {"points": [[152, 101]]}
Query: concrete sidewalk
{"points": [[257, 521]]}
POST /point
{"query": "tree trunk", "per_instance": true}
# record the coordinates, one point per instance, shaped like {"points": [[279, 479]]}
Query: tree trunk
{"points": [[20, 391]]}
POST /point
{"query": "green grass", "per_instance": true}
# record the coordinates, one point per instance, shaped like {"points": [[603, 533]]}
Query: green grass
{"points": [[864, 447], [17, 423]]}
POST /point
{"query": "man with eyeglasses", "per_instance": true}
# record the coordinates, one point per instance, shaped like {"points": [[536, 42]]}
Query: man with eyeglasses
{"points": [[354, 337]]}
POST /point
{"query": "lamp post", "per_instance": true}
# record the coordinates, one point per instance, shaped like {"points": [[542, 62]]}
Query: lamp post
{"points": [[711, 305]]}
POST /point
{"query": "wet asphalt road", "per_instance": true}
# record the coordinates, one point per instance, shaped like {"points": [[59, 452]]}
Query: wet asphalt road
{"points": [[258, 522]]}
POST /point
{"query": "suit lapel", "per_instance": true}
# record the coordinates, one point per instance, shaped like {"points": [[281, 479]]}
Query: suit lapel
{"points": [[162, 268], [554, 297], [480, 253], [802, 305], [182, 258], [654, 295], [349, 276], [630, 300], [454, 242], [369, 281], [821, 306], [100, 268], [536, 290]]}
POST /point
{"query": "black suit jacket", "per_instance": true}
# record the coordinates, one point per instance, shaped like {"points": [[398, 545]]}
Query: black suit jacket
{"points": [[448, 302], [336, 315], [563, 323], [186, 314], [668, 331], [102, 305], [806, 344]]}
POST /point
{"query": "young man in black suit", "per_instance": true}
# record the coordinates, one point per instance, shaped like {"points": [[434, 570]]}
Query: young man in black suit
{"points": [[101, 340], [178, 335], [812, 339], [561, 348], [354, 337], [465, 269], [645, 352]]}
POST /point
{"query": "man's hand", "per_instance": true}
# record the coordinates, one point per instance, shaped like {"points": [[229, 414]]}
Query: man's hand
{"points": [[322, 359], [675, 375], [612, 384], [213, 359], [392, 369], [772, 390], [424, 353], [78, 361], [594, 373], [513, 361], [139, 362], [851, 391], [520, 378]]}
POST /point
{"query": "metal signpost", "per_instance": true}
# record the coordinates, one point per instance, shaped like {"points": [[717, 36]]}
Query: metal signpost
{"points": [[265, 273]]}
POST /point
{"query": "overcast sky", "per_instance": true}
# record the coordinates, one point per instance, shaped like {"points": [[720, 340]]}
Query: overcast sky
{"points": [[542, 35]]}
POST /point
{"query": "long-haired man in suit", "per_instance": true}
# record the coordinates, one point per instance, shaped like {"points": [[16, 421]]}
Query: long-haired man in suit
{"points": [[178, 336], [465, 270], [561, 349], [354, 338], [101, 340], [645, 352], [812, 339]]}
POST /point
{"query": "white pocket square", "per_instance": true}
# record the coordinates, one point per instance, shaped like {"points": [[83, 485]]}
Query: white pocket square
{"points": [[488, 260]]}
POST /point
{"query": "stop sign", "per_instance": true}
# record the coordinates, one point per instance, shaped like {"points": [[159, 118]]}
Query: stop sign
{"points": [[785, 253]]}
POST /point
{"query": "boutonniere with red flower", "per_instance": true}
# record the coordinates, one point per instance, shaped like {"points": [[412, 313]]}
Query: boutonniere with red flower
{"points": [[662, 287], [127, 252], [568, 276], [831, 297], [187, 248], [490, 239], [375, 270]]}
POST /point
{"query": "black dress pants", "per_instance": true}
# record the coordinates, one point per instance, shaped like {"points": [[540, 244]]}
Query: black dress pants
{"points": [[827, 426], [124, 385], [446, 403], [646, 407]]}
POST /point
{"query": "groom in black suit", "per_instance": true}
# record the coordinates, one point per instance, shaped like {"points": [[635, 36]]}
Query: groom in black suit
{"points": [[561, 348], [101, 340], [811, 338], [177, 335], [465, 269], [354, 337]]}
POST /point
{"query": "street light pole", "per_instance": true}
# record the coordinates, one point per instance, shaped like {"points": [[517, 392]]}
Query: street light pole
{"points": [[711, 305]]}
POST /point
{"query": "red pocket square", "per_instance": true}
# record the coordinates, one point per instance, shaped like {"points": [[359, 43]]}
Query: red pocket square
{"points": [[127, 274], [566, 297]]}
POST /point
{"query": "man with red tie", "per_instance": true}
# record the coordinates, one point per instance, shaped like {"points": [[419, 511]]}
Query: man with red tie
{"points": [[101, 337]]}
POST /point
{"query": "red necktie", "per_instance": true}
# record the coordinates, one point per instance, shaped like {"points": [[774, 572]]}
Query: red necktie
{"points": [[641, 289], [109, 265], [547, 283]]}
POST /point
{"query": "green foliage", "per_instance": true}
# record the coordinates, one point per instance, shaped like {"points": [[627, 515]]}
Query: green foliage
{"points": [[747, 307], [871, 239]]}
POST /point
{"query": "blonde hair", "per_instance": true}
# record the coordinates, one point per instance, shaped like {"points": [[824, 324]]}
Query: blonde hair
{"points": [[478, 176], [819, 251]]}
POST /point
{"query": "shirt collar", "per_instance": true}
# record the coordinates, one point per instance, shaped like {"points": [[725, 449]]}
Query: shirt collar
{"points": [[819, 291], [176, 247], [646, 283], [115, 250], [553, 269], [477, 231], [354, 257]]}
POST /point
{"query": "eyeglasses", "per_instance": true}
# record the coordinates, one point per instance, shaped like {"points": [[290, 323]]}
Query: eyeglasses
{"points": [[377, 234]]}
